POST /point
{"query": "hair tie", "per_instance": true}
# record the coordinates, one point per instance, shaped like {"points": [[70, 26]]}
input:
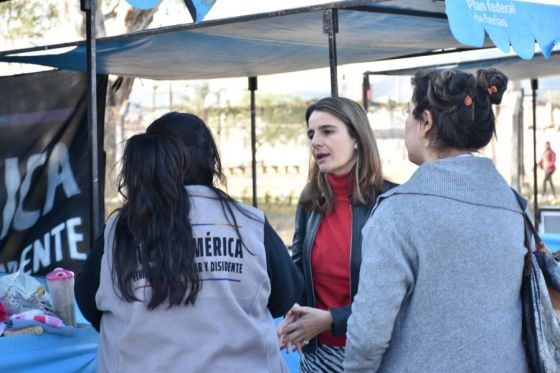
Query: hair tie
{"points": [[468, 100], [492, 90]]}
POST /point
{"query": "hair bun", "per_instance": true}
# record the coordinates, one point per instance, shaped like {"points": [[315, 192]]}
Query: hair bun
{"points": [[448, 89], [493, 82]]}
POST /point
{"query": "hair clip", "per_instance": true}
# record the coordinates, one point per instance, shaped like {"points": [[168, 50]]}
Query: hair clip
{"points": [[492, 90], [468, 100]]}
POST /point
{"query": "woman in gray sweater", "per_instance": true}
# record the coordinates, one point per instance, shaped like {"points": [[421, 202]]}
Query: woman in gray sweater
{"points": [[443, 253]]}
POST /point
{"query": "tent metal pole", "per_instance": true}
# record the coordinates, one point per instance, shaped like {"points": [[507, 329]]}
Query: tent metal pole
{"points": [[89, 7], [365, 88], [330, 27], [518, 136], [253, 88], [534, 87]]}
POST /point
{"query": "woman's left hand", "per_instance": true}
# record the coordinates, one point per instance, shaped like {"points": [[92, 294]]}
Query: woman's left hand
{"points": [[305, 323]]}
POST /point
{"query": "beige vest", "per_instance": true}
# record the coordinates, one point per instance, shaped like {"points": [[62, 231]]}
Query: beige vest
{"points": [[229, 329]]}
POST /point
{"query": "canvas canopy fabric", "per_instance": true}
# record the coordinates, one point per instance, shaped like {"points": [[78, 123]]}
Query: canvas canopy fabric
{"points": [[514, 67], [268, 43], [515, 22]]}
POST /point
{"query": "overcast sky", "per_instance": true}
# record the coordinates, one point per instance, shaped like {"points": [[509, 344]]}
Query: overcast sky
{"points": [[229, 8]]}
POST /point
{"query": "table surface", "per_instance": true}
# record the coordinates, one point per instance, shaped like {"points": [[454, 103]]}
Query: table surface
{"points": [[47, 353]]}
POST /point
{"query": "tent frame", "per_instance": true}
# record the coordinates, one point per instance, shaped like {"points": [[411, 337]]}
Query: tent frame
{"points": [[95, 144], [330, 28]]}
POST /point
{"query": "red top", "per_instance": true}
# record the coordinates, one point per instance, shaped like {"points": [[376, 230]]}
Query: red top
{"points": [[330, 255], [548, 161]]}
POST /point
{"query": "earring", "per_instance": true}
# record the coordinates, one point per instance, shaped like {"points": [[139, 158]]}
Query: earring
{"points": [[356, 146]]}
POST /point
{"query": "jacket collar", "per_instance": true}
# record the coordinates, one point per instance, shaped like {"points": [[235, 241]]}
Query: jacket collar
{"points": [[200, 191], [469, 179]]}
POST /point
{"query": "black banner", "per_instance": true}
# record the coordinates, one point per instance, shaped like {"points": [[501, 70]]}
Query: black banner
{"points": [[45, 181]]}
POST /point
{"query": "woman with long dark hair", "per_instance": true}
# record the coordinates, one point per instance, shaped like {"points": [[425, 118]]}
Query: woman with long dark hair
{"points": [[187, 279]]}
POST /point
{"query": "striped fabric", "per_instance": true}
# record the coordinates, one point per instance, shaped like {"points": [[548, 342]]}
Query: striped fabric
{"points": [[327, 359]]}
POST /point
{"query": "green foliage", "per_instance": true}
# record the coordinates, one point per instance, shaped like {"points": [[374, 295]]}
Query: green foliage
{"points": [[279, 118], [275, 109], [23, 18]]}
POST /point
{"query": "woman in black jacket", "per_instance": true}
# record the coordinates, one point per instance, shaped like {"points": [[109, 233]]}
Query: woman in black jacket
{"points": [[344, 181]]}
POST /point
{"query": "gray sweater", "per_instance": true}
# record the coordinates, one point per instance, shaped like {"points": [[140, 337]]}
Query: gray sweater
{"points": [[441, 275]]}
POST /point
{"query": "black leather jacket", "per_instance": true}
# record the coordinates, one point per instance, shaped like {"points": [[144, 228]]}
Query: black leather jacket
{"points": [[306, 227]]}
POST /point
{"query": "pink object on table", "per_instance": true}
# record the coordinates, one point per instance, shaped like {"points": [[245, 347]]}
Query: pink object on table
{"points": [[3, 312], [61, 289], [35, 315], [60, 274], [49, 320]]}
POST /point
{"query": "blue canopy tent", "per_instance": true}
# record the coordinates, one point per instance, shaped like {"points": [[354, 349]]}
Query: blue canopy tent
{"points": [[261, 44], [293, 40], [248, 46]]}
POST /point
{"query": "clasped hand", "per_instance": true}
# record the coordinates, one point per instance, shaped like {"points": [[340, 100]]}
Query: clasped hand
{"points": [[300, 325]]}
